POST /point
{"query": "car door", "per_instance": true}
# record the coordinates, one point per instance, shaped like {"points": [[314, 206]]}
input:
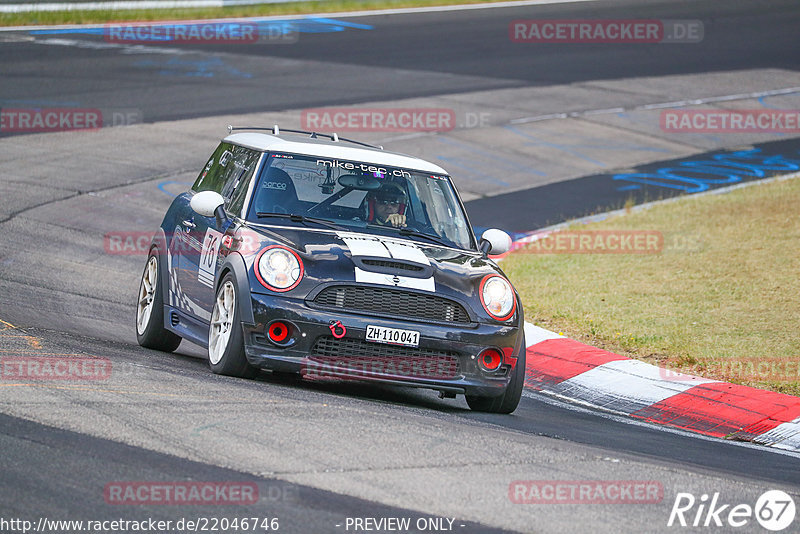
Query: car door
{"points": [[232, 171]]}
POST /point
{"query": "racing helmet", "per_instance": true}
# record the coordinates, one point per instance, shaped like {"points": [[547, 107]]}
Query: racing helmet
{"points": [[389, 191]]}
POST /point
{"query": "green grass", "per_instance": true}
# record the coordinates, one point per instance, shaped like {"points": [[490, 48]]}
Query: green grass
{"points": [[293, 8], [720, 299]]}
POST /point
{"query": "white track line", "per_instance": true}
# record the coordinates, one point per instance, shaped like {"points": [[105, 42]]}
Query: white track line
{"points": [[140, 4], [784, 436], [659, 105], [536, 334]]}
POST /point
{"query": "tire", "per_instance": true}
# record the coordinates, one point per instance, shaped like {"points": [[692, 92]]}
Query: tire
{"points": [[225, 336], [150, 331], [508, 401]]}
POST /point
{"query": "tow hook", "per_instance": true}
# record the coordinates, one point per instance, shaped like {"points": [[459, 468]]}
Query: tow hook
{"points": [[337, 329]]}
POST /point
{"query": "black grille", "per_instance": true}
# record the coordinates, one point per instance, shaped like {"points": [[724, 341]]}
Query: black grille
{"points": [[392, 303], [396, 265], [359, 357]]}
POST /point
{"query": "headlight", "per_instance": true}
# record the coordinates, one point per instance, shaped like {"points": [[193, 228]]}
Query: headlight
{"points": [[279, 268], [497, 297]]}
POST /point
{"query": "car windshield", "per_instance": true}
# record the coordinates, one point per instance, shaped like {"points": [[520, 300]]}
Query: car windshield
{"points": [[356, 196]]}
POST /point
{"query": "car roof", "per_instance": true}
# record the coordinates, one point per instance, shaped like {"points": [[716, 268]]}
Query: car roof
{"points": [[298, 144]]}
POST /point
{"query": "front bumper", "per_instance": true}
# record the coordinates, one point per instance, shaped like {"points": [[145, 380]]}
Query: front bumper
{"points": [[445, 360]]}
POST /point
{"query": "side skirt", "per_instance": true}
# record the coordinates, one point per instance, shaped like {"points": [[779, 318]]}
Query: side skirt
{"points": [[188, 327]]}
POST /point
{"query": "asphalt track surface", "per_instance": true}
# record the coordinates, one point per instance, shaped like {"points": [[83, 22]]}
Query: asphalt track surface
{"points": [[320, 453], [543, 206], [403, 56]]}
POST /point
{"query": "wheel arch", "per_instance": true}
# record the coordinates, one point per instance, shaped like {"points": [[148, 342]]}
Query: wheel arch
{"points": [[235, 265], [159, 243]]}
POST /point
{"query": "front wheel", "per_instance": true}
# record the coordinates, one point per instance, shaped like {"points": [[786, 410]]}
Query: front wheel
{"points": [[225, 336], [150, 331], [508, 401]]}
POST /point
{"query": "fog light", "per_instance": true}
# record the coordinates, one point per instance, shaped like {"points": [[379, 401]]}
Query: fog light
{"points": [[280, 332], [490, 360]]}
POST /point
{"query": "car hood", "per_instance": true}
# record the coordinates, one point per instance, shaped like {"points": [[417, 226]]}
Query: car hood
{"points": [[347, 256]]}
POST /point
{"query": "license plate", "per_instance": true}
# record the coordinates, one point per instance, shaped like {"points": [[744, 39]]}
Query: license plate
{"points": [[393, 336]]}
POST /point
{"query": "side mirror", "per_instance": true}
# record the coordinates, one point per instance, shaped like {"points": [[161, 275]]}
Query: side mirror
{"points": [[209, 204], [495, 242], [206, 203]]}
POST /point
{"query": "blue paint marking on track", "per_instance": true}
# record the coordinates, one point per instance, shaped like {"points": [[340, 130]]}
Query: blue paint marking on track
{"points": [[162, 186], [557, 202], [300, 25], [69, 31], [695, 176], [762, 101], [323, 25]]}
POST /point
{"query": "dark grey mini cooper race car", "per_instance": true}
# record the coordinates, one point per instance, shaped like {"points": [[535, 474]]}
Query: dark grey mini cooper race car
{"points": [[335, 260]]}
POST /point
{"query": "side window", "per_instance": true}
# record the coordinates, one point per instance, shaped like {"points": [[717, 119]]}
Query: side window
{"points": [[237, 181], [212, 178]]}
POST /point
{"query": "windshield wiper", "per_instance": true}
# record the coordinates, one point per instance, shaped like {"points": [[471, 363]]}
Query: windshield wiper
{"points": [[408, 231], [300, 218], [434, 238]]}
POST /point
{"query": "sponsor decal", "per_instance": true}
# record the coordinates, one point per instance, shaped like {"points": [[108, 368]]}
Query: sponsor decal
{"points": [[281, 186]]}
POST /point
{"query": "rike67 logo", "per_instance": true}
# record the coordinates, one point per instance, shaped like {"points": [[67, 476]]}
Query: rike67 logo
{"points": [[774, 510]]}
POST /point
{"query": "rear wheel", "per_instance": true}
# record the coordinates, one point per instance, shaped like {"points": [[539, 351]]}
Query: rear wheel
{"points": [[225, 336], [150, 331], [508, 401]]}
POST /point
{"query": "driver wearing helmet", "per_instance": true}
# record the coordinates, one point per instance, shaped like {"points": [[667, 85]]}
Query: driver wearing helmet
{"points": [[387, 206]]}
